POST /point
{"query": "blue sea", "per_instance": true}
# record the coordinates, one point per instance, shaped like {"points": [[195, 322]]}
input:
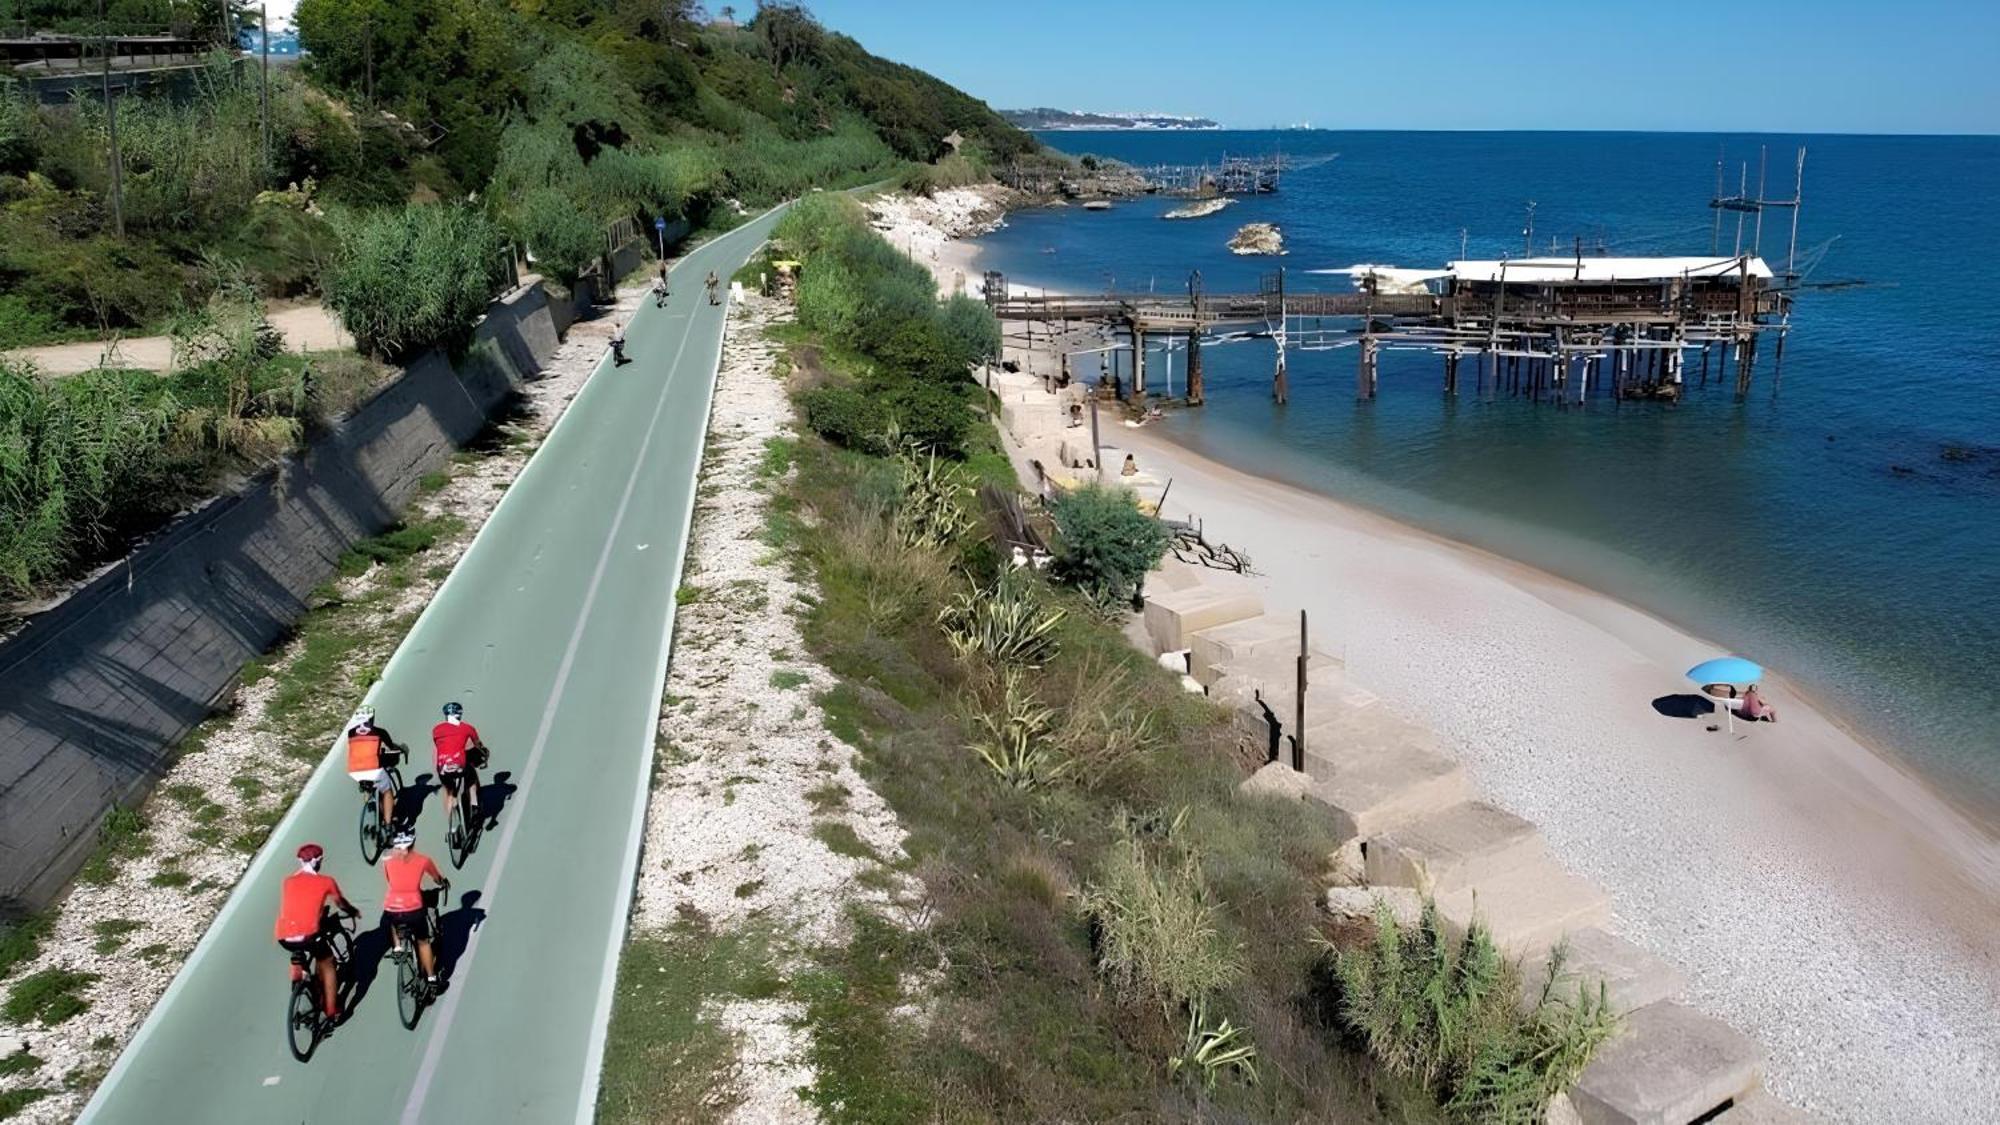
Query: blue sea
{"points": [[1842, 526]]}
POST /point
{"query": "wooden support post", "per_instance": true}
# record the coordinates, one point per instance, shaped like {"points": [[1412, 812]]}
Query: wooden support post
{"points": [[1451, 374], [1746, 363], [1194, 397], [1138, 363], [1299, 703], [1096, 446], [1364, 376], [1279, 390]]}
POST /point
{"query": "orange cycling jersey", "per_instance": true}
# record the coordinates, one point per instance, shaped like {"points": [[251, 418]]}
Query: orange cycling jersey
{"points": [[406, 880], [364, 752], [301, 902]]}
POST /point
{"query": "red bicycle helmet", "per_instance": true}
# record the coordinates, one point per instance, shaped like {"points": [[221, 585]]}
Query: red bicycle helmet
{"points": [[311, 853]]}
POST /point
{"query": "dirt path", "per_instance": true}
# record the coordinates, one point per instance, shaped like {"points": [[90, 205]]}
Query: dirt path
{"points": [[307, 328]]}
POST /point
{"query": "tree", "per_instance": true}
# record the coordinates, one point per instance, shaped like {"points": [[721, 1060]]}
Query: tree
{"points": [[789, 32]]}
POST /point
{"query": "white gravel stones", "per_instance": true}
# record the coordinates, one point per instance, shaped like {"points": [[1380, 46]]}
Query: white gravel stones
{"points": [[750, 779], [171, 919]]}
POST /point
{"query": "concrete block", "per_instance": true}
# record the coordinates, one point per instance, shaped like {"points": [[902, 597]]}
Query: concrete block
{"points": [[1452, 848], [1759, 1107], [1173, 575], [1373, 787], [1528, 909], [1264, 639], [1276, 779], [1357, 904], [1173, 615], [1669, 1066], [1632, 977]]}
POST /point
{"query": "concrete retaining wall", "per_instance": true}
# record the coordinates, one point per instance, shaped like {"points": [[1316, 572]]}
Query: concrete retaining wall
{"points": [[95, 692]]}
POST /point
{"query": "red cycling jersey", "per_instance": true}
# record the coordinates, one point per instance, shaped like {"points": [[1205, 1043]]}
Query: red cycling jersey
{"points": [[451, 740], [406, 880], [301, 902]]}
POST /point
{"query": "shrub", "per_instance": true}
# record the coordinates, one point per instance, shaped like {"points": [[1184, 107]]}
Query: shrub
{"points": [[1108, 544], [1211, 1050], [1447, 1014], [932, 418], [413, 278], [845, 416], [48, 997], [1159, 931], [563, 239]]}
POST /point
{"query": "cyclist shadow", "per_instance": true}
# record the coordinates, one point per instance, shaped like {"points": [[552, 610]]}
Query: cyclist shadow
{"points": [[494, 794], [455, 932], [411, 798], [370, 948]]}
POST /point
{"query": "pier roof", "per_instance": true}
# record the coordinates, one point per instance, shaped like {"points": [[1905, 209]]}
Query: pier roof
{"points": [[1556, 270]]}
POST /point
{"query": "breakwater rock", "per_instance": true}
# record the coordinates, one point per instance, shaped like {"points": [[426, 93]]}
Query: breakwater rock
{"points": [[1257, 238]]}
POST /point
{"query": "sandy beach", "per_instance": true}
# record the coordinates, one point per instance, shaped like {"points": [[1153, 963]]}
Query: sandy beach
{"points": [[1821, 898]]}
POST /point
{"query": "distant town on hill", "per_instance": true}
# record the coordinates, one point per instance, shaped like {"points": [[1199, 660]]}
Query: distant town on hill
{"points": [[1045, 118]]}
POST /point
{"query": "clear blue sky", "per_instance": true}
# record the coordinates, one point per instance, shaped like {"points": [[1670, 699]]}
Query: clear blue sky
{"points": [[1919, 66]]}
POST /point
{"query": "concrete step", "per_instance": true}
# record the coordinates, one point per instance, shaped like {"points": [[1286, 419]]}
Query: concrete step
{"points": [[1372, 786], [1632, 977], [1528, 909], [1759, 1107], [1275, 677], [1669, 1065], [1240, 642], [1452, 848], [1173, 616]]}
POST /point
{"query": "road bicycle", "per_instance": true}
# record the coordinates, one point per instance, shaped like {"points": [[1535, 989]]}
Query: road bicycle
{"points": [[413, 992], [375, 833], [306, 1023]]}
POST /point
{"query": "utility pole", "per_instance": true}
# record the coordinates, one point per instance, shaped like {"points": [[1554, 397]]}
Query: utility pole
{"points": [[264, 83], [1528, 233], [111, 128]]}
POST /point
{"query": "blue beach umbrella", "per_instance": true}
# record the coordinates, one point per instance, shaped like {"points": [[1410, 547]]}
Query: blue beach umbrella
{"points": [[1726, 670]]}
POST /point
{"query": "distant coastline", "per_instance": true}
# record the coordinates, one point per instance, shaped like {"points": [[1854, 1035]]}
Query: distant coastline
{"points": [[1047, 119]]}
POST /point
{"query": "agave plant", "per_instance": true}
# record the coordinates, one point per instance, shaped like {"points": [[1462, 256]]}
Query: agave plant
{"points": [[1211, 1051], [933, 511], [1014, 739], [1007, 623]]}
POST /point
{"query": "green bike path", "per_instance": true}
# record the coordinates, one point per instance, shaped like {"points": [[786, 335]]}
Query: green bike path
{"points": [[553, 632]]}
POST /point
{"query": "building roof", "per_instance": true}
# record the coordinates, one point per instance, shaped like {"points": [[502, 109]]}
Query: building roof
{"points": [[1544, 271]]}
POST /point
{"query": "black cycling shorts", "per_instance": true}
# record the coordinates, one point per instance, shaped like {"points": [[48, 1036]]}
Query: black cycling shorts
{"points": [[314, 946], [416, 923], [451, 780]]}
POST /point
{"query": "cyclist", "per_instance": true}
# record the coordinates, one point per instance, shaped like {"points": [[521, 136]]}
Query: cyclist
{"points": [[458, 746], [370, 753], [713, 287], [403, 909], [303, 924], [660, 293]]}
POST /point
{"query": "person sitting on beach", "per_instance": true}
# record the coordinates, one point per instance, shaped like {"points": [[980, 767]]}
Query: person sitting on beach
{"points": [[1754, 708]]}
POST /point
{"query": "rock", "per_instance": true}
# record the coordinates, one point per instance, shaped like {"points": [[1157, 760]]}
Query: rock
{"points": [[1278, 779], [1257, 238], [11, 1045], [1347, 864], [1357, 904], [1562, 1111]]}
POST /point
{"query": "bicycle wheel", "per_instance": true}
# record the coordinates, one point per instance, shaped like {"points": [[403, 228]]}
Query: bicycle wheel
{"points": [[302, 1020], [409, 1000], [371, 830], [456, 837]]}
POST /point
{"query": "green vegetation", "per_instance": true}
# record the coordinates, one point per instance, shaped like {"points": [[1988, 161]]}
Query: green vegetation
{"points": [[1446, 1013], [21, 939], [666, 1058], [20, 1062], [14, 1101], [1107, 545], [48, 997], [411, 279], [863, 297]]}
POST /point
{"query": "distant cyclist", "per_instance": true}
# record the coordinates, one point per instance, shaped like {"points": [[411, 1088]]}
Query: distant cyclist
{"points": [[457, 743], [403, 909], [660, 293], [714, 288], [303, 923], [370, 754]]}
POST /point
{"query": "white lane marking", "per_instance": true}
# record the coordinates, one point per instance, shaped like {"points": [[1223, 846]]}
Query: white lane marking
{"points": [[600, 1023], [273, 1080]]}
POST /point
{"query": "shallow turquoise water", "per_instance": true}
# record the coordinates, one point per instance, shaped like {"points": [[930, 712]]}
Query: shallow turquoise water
{"points": [[1842, 526]]}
